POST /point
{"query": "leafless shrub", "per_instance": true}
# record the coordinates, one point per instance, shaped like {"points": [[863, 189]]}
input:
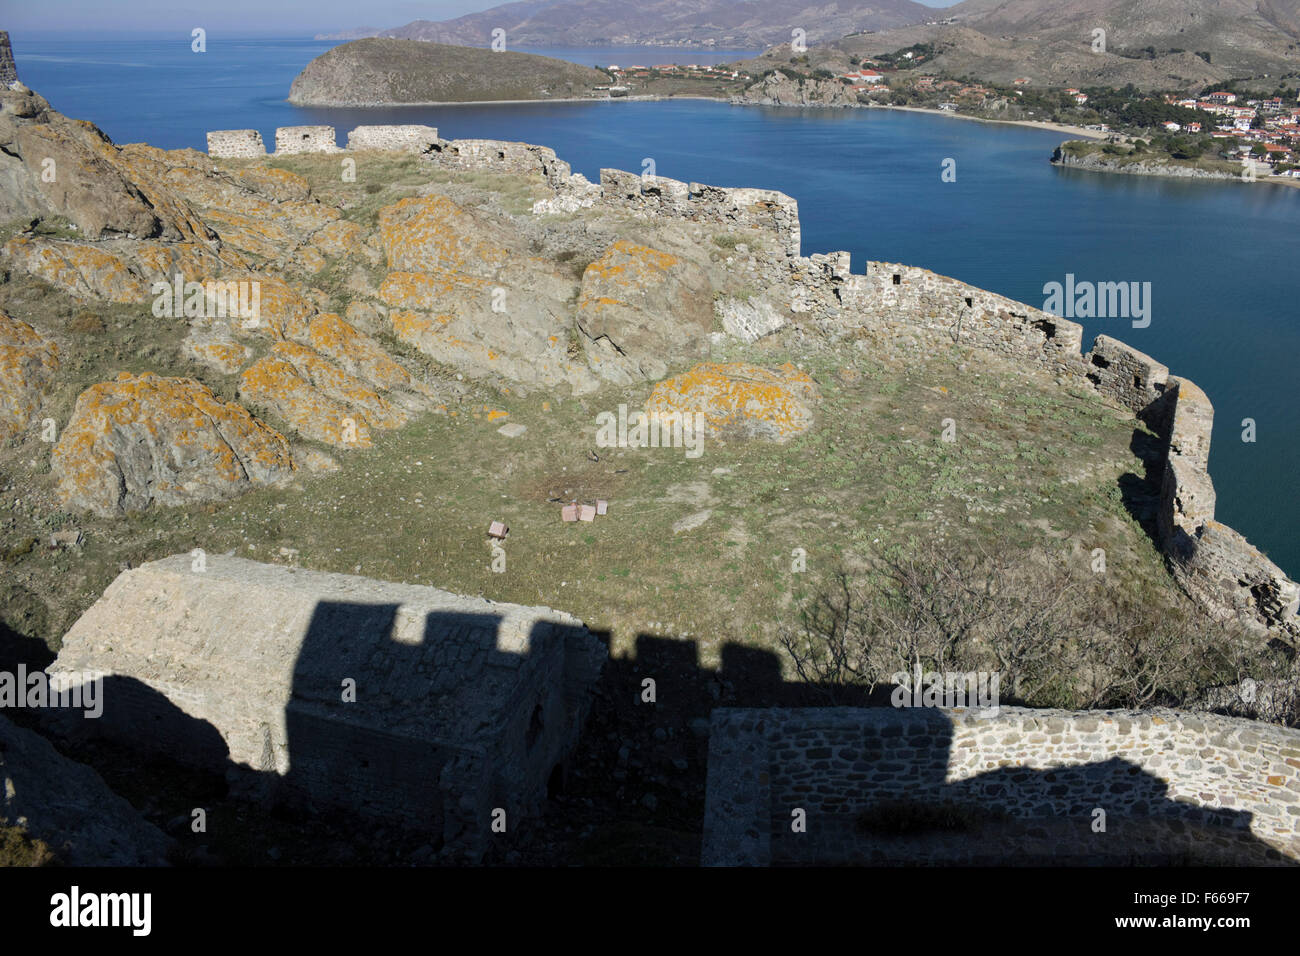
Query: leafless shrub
{"points": [[1058, 635]]}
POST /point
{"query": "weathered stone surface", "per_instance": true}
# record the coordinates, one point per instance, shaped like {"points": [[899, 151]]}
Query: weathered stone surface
{"points": [[748, 320], [640, 308], [236, 143], [79, 269], [738, 399], [68, 805], [777, 89], [28, 362], [1130, 377], [461, 704], [145, 440], [361, 356], [467, 292], [317, 398], [97, 187], [1027, 780]]}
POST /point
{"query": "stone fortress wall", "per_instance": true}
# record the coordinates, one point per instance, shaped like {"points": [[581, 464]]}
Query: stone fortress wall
{"points": [[1025, 784], [1214, 564], [8, 70]]}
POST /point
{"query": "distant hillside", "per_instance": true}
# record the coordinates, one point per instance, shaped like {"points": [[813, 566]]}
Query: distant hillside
{"points": [[721, 23], [1153, 44], [375, 72]]}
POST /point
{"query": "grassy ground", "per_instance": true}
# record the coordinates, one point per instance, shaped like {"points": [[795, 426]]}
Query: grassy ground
{"points": [[1032, 463]]}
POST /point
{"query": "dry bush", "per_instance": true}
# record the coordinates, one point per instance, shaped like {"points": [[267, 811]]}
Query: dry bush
{"points": [[1057, 634]]}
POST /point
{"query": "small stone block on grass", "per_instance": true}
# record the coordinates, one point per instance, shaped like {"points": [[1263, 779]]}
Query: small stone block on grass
{"points": [[569, 512], [602, 506], [498, 530], [587, 513], [513, 430]]}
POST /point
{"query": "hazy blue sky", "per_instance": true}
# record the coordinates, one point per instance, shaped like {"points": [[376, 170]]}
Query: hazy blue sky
{"points": [[303, 17]]}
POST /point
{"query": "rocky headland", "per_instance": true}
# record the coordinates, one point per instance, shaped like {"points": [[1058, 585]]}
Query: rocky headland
{"points": [[382, 72]]}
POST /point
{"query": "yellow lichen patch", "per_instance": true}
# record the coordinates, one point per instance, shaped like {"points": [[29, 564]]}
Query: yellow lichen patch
{"points": [[339, 238], [319, 399], [28, 362], [80, 270], [426, 233], [191, 260], [146, 439], [737, 398], [623, 270], [429, 290], [283, 310], [357, 353], [277, 184]]}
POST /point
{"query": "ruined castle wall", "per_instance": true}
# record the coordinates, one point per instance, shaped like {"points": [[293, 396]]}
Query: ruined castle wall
{"points": [[305, 139], [236, 144], [1212, 562], [1025, 782], [916, 304], [1124, 374], [503, 156], [8, 71], [411, 139], [739, 208]]}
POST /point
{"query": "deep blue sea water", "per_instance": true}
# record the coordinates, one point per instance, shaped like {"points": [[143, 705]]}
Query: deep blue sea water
{"points": [[1221, 257]]}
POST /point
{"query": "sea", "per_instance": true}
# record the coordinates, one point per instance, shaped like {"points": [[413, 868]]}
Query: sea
{"points": [[977, 201]]}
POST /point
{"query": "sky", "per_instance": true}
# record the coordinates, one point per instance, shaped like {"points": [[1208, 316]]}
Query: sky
{"points": [[245, 17]]}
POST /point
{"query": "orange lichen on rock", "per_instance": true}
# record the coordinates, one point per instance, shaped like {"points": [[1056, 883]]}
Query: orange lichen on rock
{"points": [[430, 290], [319, 399], [79, 269], [360, 355], [144, 440], [740, 399], [339, 238], [426, 233], [283, 309], [28, 362]]}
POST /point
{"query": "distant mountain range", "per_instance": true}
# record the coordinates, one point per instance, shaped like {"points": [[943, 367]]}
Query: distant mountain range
{"points": [[1151, 43], [726, 24]]}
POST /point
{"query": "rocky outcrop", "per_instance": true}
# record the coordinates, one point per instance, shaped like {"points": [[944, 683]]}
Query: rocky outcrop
{"points": [[320, 400], [51, 165], [68, 806], [147, 440], [28, 362], [1098, 162], [380, 71], [778, 89], [640, 308], [467, 291], [739, 400]]}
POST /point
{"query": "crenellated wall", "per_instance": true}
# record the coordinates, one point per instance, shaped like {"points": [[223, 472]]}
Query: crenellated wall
{"points": [[1214, 564], [931, 785]]}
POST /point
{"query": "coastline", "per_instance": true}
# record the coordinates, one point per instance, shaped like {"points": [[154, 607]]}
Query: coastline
{"points": [[1075, 131], [1166, 172]]}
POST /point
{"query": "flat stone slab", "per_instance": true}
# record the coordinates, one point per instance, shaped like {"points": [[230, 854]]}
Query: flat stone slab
{"points": [[513, 430]]}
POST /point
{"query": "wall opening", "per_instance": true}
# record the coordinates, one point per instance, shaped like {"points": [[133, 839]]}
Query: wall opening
{"points": [[898, 279]]}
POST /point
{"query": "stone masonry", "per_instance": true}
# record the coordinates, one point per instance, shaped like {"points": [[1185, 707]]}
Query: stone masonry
{"points": [[8, 71], [1020, 786], [390, 700], [236, 144], [305, 139], [414, 139]]}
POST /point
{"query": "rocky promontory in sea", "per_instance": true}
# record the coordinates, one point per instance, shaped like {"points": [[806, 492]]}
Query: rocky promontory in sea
{"points": [[380, 72]]}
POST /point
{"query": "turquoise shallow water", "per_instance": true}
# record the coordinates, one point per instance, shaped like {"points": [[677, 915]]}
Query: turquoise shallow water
{"points": [[1221, 257]]}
